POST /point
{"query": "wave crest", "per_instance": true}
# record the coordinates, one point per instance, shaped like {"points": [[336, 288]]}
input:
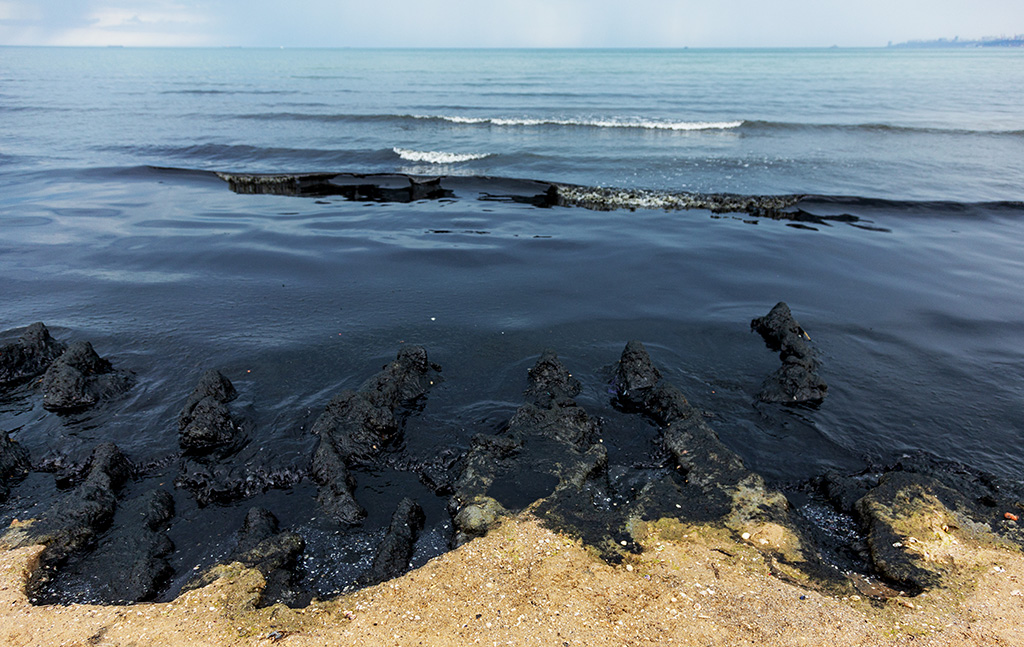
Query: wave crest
{"points": [[644, 124], [437, 157]]}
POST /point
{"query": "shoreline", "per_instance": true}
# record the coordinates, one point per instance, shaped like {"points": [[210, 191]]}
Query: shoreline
{"points": [[911, 519], [524, 584]]}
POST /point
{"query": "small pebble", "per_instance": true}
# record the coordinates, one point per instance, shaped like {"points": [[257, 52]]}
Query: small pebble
{"points": [[745, 535]]}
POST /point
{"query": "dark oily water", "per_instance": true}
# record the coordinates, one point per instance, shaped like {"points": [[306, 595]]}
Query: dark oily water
{"points": [[912, 308]]}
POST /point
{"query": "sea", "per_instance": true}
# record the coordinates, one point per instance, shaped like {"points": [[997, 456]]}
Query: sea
{"points": [[899, 252]]}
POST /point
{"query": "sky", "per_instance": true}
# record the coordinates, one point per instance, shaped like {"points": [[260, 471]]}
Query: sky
{"points": [[502, 23]]}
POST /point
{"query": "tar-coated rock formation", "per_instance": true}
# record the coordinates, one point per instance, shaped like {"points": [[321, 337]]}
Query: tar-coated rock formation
{"points": [[274, 553], [364, 188], [14, 464], [797, 380], [392, 556], [205, 424], [709, 483], [906, 509], [214, 482], [80, 378], [550, 446], [28, 357], [130, 563], [211, 437], [904, 521], [356, 427], [72, 525]]}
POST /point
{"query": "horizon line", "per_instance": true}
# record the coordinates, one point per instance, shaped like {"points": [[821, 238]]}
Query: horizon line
{"points": [[465, 47]]}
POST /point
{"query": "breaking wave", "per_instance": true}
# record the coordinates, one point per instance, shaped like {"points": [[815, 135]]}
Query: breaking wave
{"points": [[646, 124], [636, 123], [437, 157], [639, 123]]}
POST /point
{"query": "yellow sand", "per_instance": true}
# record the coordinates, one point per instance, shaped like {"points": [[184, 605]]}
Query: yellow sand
{"points": [[525, 585]]}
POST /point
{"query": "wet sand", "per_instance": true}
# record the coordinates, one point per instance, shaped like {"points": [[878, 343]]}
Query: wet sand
{"points": [[523, 584]]}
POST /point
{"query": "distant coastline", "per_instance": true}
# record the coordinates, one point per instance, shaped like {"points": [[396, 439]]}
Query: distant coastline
{"points": [[988, 41]]}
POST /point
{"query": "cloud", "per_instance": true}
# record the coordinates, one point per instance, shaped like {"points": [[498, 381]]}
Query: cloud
{"points": [[119, 18], [500, 23], [106, 22]]}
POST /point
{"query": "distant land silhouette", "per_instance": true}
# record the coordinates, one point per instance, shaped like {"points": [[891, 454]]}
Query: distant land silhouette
{"points": [[988, 41]]}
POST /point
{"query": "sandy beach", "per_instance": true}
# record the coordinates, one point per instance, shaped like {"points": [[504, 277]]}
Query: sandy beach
{"points": [[523, 584]]}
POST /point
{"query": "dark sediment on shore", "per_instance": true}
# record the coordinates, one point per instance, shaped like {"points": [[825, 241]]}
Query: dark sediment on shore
{"points": [[14, 464], [392, 556], [919, 500], [549, 446], [73, 525], [263, 546], [356, 426], [548, 459], [132, 556]]}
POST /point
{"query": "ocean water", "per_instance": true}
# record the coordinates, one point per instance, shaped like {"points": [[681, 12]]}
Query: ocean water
{"points": [[935, 125], [116, 228]]}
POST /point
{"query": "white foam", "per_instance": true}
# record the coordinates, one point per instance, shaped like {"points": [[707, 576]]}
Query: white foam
{"points": [[647, 124], [610, 199], [437, 157]]}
